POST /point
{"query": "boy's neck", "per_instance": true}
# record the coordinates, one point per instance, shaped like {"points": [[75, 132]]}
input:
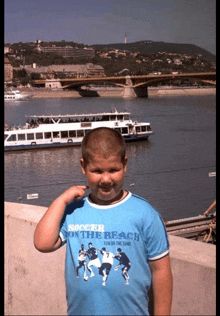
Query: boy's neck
{"points": [[119, 198]]}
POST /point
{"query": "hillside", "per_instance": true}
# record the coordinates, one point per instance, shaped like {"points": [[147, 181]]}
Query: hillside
{"points": [[150, 47], [138, 58]]}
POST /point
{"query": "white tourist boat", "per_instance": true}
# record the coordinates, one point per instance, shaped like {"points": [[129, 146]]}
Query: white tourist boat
{"points": [[43, 131], [16, 95]]}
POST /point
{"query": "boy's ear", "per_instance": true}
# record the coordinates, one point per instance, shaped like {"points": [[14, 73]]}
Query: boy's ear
{"points": [[125, 164], [83, 166]]}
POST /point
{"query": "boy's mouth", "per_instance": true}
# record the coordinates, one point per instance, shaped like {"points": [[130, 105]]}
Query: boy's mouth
{"points": [[105, 189]]}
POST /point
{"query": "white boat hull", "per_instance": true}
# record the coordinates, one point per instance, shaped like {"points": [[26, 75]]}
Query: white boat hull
{"points": [[68, 143], [54, 132], [23, 98]]}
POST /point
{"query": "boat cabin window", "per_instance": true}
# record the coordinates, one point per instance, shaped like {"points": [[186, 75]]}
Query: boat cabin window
{"points": [[105, 118], [5, 136], [112, 117], [120, 117], [56, 134], [85, 119], [21, 136], [12, 138], [30, 136], [47, 135], [143, 128], [72, 133], [149, 128], [138, 129], [39, 135], [124, 130], [87, 131], [126, 117], [80, 133], [64, 134], [118, 130]]}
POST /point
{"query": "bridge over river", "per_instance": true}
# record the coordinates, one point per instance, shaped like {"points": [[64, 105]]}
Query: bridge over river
{"points": [[133, 85]]}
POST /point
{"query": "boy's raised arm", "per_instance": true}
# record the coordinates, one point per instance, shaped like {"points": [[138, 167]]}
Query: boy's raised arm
{"points": [[46, 236]]}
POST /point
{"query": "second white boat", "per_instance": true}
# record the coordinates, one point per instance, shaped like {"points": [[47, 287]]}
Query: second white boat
{"points": [[16, 95]]}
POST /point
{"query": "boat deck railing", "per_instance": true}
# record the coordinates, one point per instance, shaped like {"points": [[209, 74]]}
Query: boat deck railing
{"points": [[19, 127], [34, 124]]}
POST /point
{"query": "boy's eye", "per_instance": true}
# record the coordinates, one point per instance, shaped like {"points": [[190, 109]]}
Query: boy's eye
{"points": [[113, 170], [97, 171]]}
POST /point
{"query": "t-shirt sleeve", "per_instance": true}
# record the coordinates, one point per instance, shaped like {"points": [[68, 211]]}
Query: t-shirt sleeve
{"points": [[156, 238], [65, 220]]}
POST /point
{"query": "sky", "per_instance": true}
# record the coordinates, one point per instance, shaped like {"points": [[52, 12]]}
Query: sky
{"points": [[106, 21]]}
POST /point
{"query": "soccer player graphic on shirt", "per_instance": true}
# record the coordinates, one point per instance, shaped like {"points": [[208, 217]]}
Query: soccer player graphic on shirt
{"points": [[123, 260], [82, 262], [94, 259], [107, 263]]}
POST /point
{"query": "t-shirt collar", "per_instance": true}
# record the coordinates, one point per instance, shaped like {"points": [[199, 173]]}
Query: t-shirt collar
{"points": [[105, 207]]}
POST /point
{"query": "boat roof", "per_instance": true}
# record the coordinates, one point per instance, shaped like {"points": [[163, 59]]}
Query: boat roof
{"points": [[77, 115]]}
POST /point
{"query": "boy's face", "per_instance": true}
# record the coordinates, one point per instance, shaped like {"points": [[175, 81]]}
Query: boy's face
{"points": [[105, 177]]}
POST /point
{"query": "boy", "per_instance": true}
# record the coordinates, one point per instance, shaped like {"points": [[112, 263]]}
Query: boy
{"points": [[112, 217]]}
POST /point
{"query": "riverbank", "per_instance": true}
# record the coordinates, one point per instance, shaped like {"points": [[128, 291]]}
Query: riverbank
{"points": [[118, 92], [169, 91]]}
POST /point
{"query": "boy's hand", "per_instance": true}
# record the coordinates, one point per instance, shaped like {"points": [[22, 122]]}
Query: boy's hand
{"points": [[75, 193]]}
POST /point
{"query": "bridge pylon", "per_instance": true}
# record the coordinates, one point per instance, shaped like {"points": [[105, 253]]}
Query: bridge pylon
{"points": [[132, 92], [129, 92]]}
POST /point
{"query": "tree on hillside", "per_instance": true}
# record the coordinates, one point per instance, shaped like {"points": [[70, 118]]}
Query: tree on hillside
{"points": [[35, 76]]}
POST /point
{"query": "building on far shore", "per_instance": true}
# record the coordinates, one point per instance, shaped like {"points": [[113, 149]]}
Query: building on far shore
{"points": [[64, 71], [8, 70]]}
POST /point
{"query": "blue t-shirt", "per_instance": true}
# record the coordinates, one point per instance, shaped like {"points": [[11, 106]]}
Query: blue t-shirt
{"points": [[107, 253]]}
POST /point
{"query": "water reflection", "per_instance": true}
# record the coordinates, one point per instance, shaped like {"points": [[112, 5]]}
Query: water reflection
{"points": [[135, 148]]}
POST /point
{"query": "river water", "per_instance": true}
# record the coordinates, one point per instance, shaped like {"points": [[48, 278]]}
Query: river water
{"points": [[171, 169]]}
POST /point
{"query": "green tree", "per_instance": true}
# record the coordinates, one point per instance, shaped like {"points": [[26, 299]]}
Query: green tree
{"points": [[35, 76], [22, 73], [24, 81]]}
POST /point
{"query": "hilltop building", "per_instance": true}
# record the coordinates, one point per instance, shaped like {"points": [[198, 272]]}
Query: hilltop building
{"points": [[68, 51]]}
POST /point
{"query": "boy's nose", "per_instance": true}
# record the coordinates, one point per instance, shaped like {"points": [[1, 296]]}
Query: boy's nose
{"points": [[105, 178]]}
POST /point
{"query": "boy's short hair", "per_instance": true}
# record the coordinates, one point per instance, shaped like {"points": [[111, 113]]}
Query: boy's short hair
{"points": [[103, 141]]}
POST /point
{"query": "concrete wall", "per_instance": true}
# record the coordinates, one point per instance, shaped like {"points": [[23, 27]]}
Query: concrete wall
{"points": [[53, 84], [194, 276], [34, 282]]}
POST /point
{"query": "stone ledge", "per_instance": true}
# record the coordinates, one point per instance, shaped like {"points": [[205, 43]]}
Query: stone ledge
{"points": [[26, 212], [193, 251]]}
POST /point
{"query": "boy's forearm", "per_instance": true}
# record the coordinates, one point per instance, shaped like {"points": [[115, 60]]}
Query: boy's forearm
{"points": [[162, 292], [46, 236], [162, 285]]}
